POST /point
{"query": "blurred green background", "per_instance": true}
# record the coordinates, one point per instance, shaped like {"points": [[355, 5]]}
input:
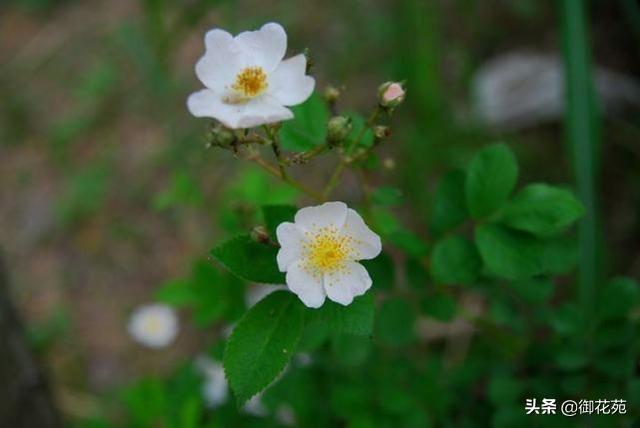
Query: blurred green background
{"points": [[108, 192]]}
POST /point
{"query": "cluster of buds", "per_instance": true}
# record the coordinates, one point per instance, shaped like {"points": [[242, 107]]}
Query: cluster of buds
{"points": [[220, 136]]}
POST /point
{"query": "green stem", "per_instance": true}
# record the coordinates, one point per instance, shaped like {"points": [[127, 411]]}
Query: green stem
{"points": [[345, 160]]}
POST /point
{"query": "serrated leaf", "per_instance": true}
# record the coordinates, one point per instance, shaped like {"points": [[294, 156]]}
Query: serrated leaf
{"points": [[542, 210], [250, 260], [356, 318], [308, 128], [509, 254], [262, 343], [491, 177], [455, 260], [449, 205], [276, 214]]}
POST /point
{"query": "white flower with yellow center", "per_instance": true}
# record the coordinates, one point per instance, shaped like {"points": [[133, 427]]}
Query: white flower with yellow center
{"points": [[320, 253], [247, 82], [155, 326]]}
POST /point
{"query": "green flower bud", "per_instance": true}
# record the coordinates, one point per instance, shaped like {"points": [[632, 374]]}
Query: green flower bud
{"points": [[331, 94], [221, 137], [381, 132], [391, 94], [259, 234], [338, 129]]}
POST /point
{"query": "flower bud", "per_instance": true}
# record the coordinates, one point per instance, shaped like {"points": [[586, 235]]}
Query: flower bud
{"points": [[221, 137], [381, 132], [331, 94], [338, 129], [389, 164], [259, 234], [391, 94]]}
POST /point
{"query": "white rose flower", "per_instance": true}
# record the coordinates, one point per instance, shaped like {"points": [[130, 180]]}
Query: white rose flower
{"points": [[247, 82], [155, 325], [320, 250]]}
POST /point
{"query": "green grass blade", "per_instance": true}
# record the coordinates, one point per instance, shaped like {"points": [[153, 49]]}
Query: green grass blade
{"points": [[582, 127]]}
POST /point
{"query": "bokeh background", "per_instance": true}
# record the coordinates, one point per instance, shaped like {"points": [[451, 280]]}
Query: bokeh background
{"points": [[107, 190]]}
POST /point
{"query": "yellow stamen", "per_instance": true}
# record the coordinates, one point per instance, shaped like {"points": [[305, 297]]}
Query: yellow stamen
{"points": [[327, 250], [250, 82]]}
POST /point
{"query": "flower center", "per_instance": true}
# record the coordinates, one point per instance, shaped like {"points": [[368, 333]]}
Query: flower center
{"points": [[327, 250], [153, 325], [250, 82]]}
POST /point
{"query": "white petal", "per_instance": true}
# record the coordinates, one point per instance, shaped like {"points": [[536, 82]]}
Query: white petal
{"points": [[265, 47], [306, 286], [366, 243], [222, 61], [327, 214], [345, 284], [260, 111], [207, 103], [289, 84], [290, 239]]}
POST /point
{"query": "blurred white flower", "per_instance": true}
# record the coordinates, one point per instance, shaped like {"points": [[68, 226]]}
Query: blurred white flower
{"points": [[154, 325], [215, 390], [320, 250], [247, 82], [521, 89], [303, 359], [255, 407], [285, 415]]}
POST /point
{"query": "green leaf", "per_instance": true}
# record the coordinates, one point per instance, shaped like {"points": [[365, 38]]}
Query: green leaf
{"points": [[218, 295], [386, 196], [504, 389], [395, 324], [509, 254], [455, 260], [542, 210], [350, 350], [416, 273], [408, 242], [276, 214], [449, 206], [440, 306], [177, 293], [617, 298], [559, 256], [262, 343], [356, 319], [308, 128], [392, 231], [250, 260], [535, 290], [381, 271], [491, 177]]}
